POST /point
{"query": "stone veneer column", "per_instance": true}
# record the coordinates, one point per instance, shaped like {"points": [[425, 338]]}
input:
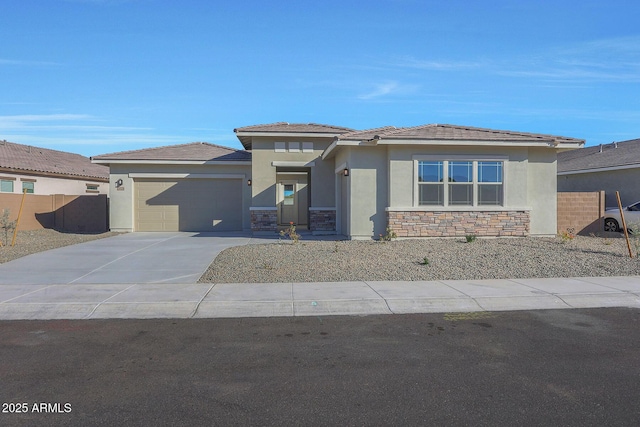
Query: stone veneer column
{"points": [[459, 223], [264, 219], [322, 220]]}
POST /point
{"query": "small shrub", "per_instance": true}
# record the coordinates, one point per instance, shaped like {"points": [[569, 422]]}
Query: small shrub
{"points": [[425, 261], [568, 235], [291, 233], [6, 225], [471, 238], [388, 235]]}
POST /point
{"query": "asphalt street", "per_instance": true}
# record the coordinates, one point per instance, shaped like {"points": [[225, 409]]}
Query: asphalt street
{"points": [[553, 367]]}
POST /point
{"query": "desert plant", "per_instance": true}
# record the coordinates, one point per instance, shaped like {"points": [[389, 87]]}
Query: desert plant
{"points": [[471, 238], [425, 261], [634, 234], [568, 235], [388, 235], [7, 225], [291, 233]]}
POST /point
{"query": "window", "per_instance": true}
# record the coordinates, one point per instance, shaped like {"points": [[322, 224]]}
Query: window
{"points": [[490, 183], [27, 185], [460, 183], [280, 147], [6, 186], [307, 147], [92, 188], [289, 195], [294, 147], [431, 183]]}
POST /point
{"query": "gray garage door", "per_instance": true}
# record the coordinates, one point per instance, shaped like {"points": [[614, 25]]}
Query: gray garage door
{"points": [[188, 204]]}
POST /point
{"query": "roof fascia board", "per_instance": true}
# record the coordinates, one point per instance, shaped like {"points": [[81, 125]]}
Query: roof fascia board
{"points": [[348, 143], [53, 175], [286, 163], [445, 142], [607, 169], [469, 142], [188, 175], [329, 149], [290, 134], [174, 162], [570, 145]]}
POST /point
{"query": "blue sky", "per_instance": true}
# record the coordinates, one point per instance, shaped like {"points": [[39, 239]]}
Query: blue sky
{"points": [[99, 76]]}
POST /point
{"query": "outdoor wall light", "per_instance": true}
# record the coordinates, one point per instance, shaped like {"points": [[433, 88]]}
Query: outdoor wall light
{"points": [[249, 182], [345, 172], [119, 183]]}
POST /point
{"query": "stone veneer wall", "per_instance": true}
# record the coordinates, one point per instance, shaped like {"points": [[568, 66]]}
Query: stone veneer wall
{"points": [[264, 220], [458, 223], [322, 220]]}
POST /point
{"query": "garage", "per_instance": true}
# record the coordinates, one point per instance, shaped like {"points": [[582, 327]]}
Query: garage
{"points": [[188, 204]]}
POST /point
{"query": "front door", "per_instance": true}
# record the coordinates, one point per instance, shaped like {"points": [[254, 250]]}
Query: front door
{"points": [[288, 202]]}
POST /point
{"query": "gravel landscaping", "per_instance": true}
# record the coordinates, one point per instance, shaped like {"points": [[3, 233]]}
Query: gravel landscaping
{"points": [[324, 261], [29, 242]]}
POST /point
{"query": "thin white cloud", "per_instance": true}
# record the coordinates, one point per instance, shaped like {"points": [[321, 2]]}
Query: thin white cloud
{"points": [[22, 62], [388, 88], [615, 60], [44, 117], [435, 65], [26, 121]]}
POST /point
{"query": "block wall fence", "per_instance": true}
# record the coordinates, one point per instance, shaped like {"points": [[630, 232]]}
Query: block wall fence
{"points": [[581, 211]]}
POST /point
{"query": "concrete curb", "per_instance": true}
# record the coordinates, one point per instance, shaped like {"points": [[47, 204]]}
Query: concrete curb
{"points": [[206, 300]]}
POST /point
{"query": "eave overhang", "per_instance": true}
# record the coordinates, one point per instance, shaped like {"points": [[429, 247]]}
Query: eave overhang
{"points": [[329, 151], [172, 162], [246, 138]]}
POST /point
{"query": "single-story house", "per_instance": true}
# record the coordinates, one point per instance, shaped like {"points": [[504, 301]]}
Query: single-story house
{"points": [[609, 167], [424, 181], [44, 171]]}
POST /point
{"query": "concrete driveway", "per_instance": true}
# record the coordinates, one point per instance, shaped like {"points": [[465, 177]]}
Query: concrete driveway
{"points": [[124, 259]]}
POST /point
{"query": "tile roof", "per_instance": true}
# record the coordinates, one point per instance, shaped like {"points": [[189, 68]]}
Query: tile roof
{"points": [[452, 132], [195, 151], [19, 158], [616, 154], [284, 127], [294, 128]]}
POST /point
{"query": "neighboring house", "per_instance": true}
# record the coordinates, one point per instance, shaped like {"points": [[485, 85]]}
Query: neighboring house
{"points": [[424, 181], [609, 167], [44, 171]]}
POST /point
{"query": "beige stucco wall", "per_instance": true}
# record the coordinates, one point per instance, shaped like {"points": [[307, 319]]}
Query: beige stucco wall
{"points": [[121, 200], [384, 176], [402, 170], [49, 185], [542, 191], [367, 181], [264, 173], [626, 181]]}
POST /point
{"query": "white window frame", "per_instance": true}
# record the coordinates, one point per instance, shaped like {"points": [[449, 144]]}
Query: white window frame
{"points": [[445, 170], [28, 183], [11, 181]]}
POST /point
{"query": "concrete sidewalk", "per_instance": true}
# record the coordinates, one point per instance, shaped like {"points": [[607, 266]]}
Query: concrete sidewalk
{"points": [[206, 300]]}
